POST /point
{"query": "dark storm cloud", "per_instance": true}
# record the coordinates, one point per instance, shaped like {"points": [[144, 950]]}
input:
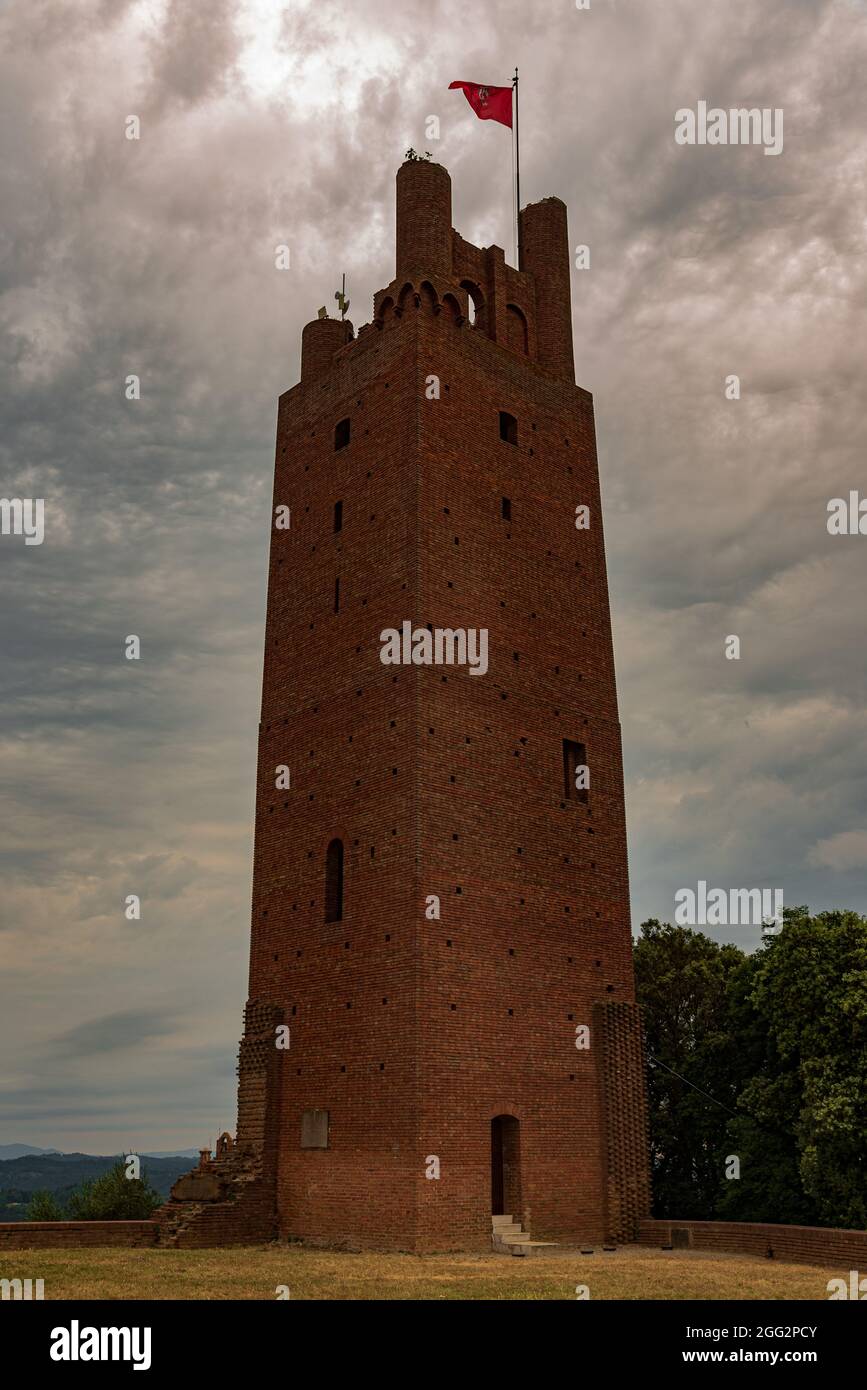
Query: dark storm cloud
{"points": [[194, 51], [110, 1033], [264, 124]]}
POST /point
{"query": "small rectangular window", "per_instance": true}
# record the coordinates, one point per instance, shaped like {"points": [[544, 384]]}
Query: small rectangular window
{"points": [[314, 1129], [576, 773], [338, 516], [507, 509], [508, 428], [341, 434]]}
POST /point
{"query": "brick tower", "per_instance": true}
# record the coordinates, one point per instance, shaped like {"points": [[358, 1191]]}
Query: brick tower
{"points": [[440, 905]]}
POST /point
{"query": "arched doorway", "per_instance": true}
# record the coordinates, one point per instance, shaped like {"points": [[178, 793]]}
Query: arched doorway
{"points": [[505, 1166]]}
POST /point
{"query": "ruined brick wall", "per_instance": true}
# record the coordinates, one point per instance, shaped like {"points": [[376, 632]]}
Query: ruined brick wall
{"points": [[816, 1245], [232, 1199]]}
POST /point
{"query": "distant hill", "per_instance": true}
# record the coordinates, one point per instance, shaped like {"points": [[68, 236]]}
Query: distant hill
{"points": [[171, 1153], [21, 1150], [50, 1171]]}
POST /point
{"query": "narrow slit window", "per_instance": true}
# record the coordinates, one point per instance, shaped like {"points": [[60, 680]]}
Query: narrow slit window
{"points": [[334, 882], [341, 434], [576, 773], [507, 509], [508, 428], [338, 516]]}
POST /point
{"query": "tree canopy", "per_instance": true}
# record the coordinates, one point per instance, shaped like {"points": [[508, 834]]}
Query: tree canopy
{"points": [[760, 1058]]}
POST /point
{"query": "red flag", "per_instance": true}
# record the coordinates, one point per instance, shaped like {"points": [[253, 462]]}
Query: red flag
{"points": [[489, 103]]}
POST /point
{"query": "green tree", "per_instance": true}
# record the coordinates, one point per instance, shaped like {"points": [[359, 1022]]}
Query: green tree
{"points": [[682, 980], [114, 1197], [44, 1206], [779, 1038], [763, 1133], [810, 992]]}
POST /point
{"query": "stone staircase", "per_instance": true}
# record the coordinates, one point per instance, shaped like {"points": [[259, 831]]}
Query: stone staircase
{"points": [[509, 1238]]}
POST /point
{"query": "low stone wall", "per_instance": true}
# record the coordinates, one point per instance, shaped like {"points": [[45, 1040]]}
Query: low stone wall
{"points": [[47, 1235], [814, 1245]]}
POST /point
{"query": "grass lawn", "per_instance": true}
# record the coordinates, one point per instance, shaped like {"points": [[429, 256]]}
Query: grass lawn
{"points": [[256, 1271]]}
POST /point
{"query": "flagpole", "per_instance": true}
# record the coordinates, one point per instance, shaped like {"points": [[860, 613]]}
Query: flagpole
{"points": [[517, 172], [514, 204]]}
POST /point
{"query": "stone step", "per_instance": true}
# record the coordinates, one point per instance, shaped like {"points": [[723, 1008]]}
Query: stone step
{"points": [[530, 1247], [497, 1221]]}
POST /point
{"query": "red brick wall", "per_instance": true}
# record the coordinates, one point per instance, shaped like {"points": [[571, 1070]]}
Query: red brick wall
{"points": [[540, 927], [46, 1235], [342, 721], [620, 1054], [414, 1033], [799, 1244]]}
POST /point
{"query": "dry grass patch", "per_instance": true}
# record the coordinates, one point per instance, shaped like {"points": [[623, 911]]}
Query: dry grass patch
{"points": [[254, 1272]]}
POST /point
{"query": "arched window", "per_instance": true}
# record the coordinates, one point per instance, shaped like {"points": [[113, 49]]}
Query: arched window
{"points": [[334, 882], [341, 434], [452, 308], [475, 304], [386, 313]]}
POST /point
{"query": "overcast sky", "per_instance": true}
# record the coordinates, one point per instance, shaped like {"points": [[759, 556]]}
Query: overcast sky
{"points": [[265, 123]]}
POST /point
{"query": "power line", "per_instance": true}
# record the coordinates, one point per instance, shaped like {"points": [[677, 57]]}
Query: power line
{"points": [[656, 1062], [738, 1114]]}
